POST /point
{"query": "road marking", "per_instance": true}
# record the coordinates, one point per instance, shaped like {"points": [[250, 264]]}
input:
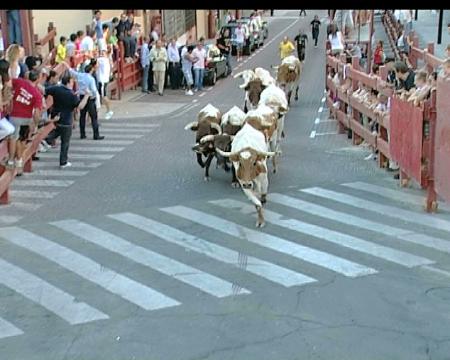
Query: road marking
{"points": [[210, 88], [75, 164], [242, 261], [48, 296], [202, 94], [104, 142], [313, 134], [194, 100], [320, 110], [338, 216], [28, 194], [187, 109], [205, 282], [59, 172], [128, 125], [317, 121], [21, 206], [327, 133], [97, 148], [7, 329], [335, 237], [316, 257], [54, 155], [129, 130], [115, 136], [392, 194], [436, 270], [88, 269], [34, 182], [9, 219], [389, 211]]}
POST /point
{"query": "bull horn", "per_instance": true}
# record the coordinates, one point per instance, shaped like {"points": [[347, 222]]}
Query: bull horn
{"points": [[217, 127], [238, 74], [267, 153], [224, 153], [191, 125], [207, 138]]}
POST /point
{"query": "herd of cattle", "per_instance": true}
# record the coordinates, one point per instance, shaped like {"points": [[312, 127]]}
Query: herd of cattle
{"points": [[247, 138]]}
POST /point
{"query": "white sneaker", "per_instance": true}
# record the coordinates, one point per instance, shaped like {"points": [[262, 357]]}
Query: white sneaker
{"points": [[46, 145], [66, 165], [190, 93], [19, 163], [370, 157], [109, 115]]}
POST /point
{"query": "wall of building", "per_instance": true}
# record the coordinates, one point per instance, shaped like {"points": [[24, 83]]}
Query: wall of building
{"points": [[202, 23]]}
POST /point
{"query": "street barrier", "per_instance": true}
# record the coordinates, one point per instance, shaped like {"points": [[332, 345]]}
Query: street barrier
{"points": [[416, 137], [6, 175]]}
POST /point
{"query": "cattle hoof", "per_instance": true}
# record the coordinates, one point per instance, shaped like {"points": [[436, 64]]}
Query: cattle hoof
{"points": [[282, 134], [235, 185], [274, 171], [263, 199], [207, 178], [227, 169], [296, 98], [260, 224]]}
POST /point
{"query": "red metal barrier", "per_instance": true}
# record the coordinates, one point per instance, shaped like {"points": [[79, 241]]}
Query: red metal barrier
{"points": [[406, 135], [7, 176], [442, 140]]}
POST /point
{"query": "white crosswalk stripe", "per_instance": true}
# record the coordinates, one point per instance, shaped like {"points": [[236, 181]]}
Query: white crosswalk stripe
{"points": [[126, 130], [187, 274], [253, 265], [392, 194], [115, 136], [35, 182], [83, 266], [128, 125], [9, 219], [269, 267], [48, 296], [395, 212], [345, 218], [28, 194], [58, 172], [54, 155], [75, 164], [320, 258], [96, 148], [21, 206], [104, 142], [7, 329], [351, 242]]}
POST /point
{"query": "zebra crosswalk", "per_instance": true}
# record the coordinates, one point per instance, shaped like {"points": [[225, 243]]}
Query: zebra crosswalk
{"points": [[221, 255], [32, 190]]}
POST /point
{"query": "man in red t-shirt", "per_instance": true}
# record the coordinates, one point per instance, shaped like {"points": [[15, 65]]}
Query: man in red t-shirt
{"points": [[26, 107]]}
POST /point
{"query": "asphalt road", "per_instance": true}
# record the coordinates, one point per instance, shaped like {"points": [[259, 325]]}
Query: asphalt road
{"points": [[134, 256]]}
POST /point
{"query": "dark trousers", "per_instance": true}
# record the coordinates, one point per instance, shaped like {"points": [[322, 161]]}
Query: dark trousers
{"points": [[302, 11], [174, 74], [315, 36], [90, 108], [65, 132], [228, 62]]}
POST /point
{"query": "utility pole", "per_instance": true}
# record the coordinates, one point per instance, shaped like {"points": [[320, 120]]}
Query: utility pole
{"points": [[441, 18], [416, 15], [369, 46]]}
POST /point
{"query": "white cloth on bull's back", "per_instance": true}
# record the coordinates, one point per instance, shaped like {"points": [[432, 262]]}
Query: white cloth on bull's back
{"points": [[235, 116], [249, 137], [208, 111], [264, 76], [273, 95]]}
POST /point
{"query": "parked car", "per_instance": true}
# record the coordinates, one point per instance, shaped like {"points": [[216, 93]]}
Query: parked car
{"points": [[253, 31], [249, 44], [215, 66]]}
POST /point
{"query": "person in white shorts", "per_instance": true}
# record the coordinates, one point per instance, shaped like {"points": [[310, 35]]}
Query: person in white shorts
{"points": [[103, 76], [239, 39], [187, 60]]}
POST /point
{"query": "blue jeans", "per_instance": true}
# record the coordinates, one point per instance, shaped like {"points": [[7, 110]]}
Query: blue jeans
{"points": [[228, 62], [199, 74], [14, 31], [145, 78]]}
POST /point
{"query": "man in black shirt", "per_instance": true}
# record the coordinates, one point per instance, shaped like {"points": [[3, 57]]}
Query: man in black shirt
{"points": [[405, 76], [64, 103], [224, 44], [315, 26], [300, 41]]}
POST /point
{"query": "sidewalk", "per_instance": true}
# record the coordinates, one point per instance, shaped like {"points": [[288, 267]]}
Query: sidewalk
{"points": [[426, 27]]}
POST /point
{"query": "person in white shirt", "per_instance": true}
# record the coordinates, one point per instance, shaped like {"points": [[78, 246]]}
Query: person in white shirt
{"points": [[187, 59], [102, 43], [199, 54], [336, 40], [87, 44], [174, 64], [239, 39], [103, 74]]}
